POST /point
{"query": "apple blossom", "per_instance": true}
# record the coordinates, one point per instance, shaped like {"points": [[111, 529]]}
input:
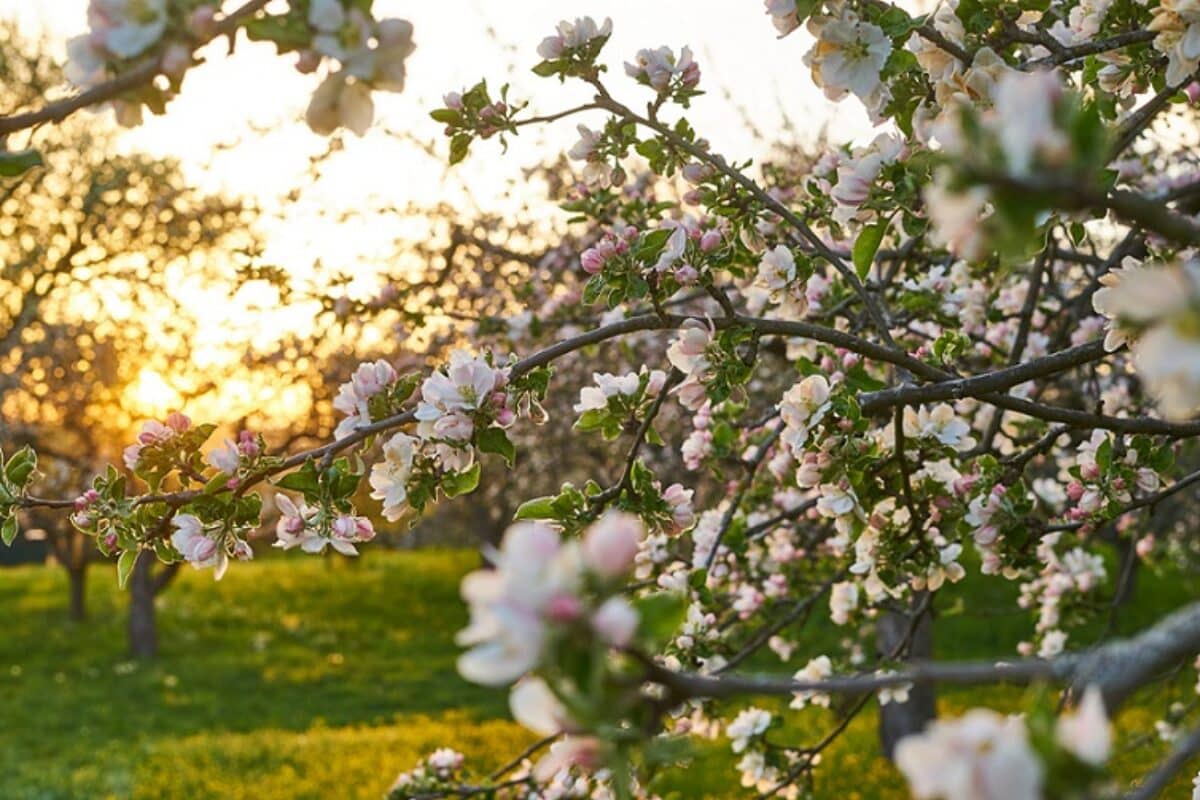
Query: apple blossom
{"points": [[1086, 731], [981, 755]]}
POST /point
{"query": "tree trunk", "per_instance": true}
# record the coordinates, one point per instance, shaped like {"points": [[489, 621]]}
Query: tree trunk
{"points": [[77, 576], [143, 634], [897, 720]]}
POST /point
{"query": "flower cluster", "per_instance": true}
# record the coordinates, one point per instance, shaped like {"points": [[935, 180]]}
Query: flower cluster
{"points": [[1152, 308], [537, 588]]}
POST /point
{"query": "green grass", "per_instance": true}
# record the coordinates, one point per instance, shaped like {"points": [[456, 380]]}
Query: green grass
{"points": [[311, 678]]}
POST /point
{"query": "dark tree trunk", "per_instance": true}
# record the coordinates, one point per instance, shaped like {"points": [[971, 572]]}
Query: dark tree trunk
{"points": [[143, 632], [897, 720], [77, 576]]}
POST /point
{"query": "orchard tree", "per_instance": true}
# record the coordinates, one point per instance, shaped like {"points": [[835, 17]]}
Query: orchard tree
{"points": [[966, 351], [90, 237]]}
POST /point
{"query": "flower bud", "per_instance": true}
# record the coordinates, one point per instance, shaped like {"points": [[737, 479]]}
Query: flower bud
{"points": [[611, 543]]}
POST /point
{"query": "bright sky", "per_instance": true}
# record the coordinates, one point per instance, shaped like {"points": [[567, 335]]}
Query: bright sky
{"points": [[256, 100]]}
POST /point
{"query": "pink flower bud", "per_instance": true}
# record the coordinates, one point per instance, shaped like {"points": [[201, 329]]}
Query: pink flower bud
{"points": [[563, 608], [1074, 491], [203, 23], [308, 61], [178, 422], [453, 100], [616, 621], [1145, 545], [592, 261], [687, 275], [611, 543], [175, 60], [710, 241]]}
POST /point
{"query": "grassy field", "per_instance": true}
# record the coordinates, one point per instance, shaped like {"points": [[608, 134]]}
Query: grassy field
{"points": [[311, 678]]}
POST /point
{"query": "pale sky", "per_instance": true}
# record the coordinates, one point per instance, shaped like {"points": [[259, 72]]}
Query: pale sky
{"points": [[257, 99]]}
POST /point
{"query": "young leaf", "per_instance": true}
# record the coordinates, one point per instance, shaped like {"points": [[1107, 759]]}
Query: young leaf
{"points": [[125, 566], [458, 483], [866, 246], [8, 531], [537, 508], [495, 440], [17, 163]]}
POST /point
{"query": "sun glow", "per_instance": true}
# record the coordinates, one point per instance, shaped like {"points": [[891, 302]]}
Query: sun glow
{"points": [[151, 395], [255, 100]]}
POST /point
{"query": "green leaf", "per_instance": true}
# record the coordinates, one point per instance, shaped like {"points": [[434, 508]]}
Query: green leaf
{"points": [[459, 483], [866, 246], [537, 508], [547, 68], [460, 143], [125, 566], [20, 466], [14, 163], [446, 115], [218, 483], [8, 531], [303, 480], [495, 440], [288, 32]]}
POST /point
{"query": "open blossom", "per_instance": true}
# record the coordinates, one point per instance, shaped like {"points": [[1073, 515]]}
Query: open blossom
{"points": [[848, 57], [389, 478], [673, 251], [1135, 295], [1086, 731], [940, 423], [300, 526], [373, 57], [659, 67], [450, 398], [957, 218], [687, 352], [979, 756], [340, 103], [572, 35], [784, 15], [1024, 120], [695, 448], [1152, 307], [155, 432], [537, 583], [226, 458], [616, 621], [196, 546], [535, 706], [596, 173], [801, 408], [777, 268], [354, 397], [1177, 23], [127, 28], [611, 543], [679, 501], [508, 604], [817, 669], [609, 385], [856, 175], [748, 724], [843, 599]]}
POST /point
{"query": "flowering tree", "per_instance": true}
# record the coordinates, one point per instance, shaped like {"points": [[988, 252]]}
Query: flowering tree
{"points": [[965, 349]]}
